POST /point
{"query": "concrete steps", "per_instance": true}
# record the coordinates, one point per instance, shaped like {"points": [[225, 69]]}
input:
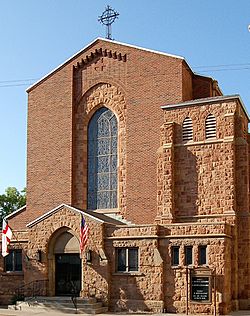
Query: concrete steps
{"points": [[61, 304]]}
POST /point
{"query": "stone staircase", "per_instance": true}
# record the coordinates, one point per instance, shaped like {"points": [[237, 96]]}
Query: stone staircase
{"points": [[61, 304]]}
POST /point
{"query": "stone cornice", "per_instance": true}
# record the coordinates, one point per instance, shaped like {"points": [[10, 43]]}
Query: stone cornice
{"points": [[209, 100], [196, 236]]}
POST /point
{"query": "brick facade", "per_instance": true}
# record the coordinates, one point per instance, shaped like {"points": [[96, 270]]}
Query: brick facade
{"points": [[171, 193]]}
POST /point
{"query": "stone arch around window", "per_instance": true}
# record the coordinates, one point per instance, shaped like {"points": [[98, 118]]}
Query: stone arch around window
{"points": [[113, 98], [187, 129], [102, 160], [210, 126]]}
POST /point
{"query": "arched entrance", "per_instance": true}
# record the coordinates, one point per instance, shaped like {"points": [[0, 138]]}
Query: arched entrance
{"points": [[64, 263]]}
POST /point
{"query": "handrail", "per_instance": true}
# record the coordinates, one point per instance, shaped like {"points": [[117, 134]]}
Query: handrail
{"points": [[74, 295], [32, 289]]}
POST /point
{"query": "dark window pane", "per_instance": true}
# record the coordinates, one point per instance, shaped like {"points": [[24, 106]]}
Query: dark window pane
{"points": [[121, 259], [132, 259], [9, 261], [175, 255], [202, 255], [13, 262], [18, 260], [188, 255]]}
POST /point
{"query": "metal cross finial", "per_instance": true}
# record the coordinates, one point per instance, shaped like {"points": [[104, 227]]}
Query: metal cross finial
{"points": [[107, 18]]}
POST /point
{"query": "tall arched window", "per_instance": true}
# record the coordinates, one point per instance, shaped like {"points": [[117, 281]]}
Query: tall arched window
{"points": [[210, 126], [102, 160], [187, 129]]}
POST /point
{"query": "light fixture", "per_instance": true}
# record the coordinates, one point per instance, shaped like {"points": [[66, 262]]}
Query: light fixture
{"points": [[89, 256]]}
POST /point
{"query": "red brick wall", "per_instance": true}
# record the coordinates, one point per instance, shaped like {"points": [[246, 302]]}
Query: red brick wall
{"points": [[49, 144], [202, 87], [187, 87], [147, 81]]}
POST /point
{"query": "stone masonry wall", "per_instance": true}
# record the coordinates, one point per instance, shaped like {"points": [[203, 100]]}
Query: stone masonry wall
{"points": [[142, 290], [11, 281], [158, 285], [203, 177], [217, 238], [42, 236]]}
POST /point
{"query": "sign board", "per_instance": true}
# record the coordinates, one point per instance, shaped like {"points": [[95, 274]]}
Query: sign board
{"points": [[200, 286]]}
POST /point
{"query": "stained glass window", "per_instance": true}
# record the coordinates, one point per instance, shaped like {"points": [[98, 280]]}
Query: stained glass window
{"points": [[102, 160]]}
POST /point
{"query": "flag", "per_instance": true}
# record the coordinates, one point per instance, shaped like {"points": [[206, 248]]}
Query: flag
{"points": [[84, 230], [6, 238]]}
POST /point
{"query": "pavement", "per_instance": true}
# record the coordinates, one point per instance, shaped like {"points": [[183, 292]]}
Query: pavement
{"points": [[9, 312]]}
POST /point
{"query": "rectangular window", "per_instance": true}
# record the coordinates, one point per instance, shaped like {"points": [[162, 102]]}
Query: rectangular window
{"points": [[175, 255], [127, 259], [202, 251], [13, 261], [188, 255]]}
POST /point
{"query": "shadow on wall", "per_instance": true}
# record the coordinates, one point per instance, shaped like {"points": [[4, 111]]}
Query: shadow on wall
{"points": [[169, 293], [186, 182], [96, 276], [129, 296], [120, 292]]}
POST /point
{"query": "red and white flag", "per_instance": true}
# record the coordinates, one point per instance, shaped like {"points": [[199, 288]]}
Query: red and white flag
{"points": [[6, 238], [84, 230]]}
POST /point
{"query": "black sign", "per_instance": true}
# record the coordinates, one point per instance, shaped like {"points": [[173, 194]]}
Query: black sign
{"points": [[200, 288]]}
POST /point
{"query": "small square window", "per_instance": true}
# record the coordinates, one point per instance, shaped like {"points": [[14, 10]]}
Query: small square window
{"points": [[202, 251], [188, 255], [175, 255], [127, 259], [13, 261]]}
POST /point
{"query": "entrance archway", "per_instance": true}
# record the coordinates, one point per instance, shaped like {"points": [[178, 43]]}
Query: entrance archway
{"points": [[64, 263]]}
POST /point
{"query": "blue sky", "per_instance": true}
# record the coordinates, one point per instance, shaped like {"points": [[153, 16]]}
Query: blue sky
{"points": [[37, 36]]}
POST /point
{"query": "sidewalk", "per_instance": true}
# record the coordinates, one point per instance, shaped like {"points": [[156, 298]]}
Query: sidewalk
{"points": [[9, 312]]}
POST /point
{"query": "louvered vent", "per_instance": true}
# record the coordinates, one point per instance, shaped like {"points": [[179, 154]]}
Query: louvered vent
{"points": [[210, 126], [187, 129]]}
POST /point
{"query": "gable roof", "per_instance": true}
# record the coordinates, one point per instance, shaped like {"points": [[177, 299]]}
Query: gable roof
{"points": [[98, 39], [21, 209], [101, 218]]}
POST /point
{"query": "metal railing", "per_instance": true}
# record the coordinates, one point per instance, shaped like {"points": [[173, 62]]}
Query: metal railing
{"points": [[74, 294], [32, 289]]}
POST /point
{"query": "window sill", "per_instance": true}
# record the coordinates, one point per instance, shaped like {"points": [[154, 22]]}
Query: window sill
{"points": [[135, 273], [13, 273], [176, 267]]}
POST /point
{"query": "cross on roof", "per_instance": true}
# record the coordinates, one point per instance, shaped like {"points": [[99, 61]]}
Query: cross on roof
{"points": [[107, 18]]}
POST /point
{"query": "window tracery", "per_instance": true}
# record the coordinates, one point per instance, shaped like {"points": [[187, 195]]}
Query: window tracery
{"points": [[102, 160]]}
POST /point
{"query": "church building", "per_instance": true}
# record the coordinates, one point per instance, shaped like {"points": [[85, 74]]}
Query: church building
{"points": [[155, 159]]}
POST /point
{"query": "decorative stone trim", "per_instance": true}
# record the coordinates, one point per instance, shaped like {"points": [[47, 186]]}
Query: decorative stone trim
{"points": [[100, 53], [110, 96], [132, 237]]}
